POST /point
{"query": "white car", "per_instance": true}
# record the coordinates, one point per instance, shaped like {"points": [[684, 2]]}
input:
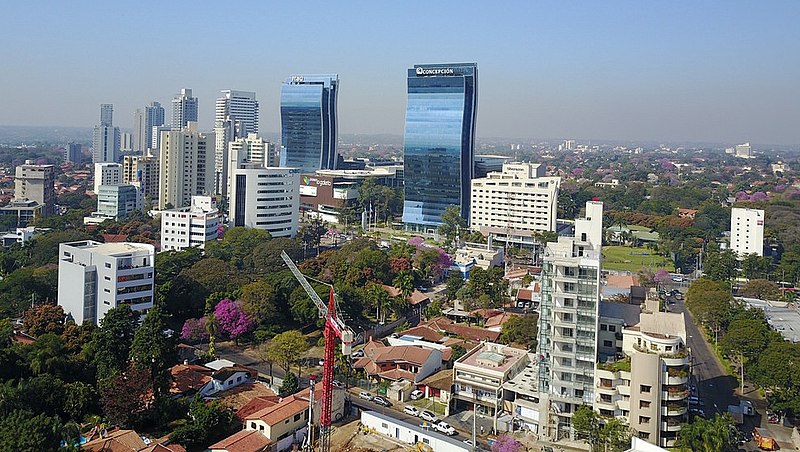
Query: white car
{"points": [[428, 416], [417, 394], [411, 410], [365, 395], [444, 427], [357, 353]]}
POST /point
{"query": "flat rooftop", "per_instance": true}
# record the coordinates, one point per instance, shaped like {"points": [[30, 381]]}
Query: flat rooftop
{"points": [[782, 319], [502, 357], [112, 249]]}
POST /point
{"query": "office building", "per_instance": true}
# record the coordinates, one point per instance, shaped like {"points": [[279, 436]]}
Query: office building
{"points": [[36, 183], [115, 202], [126, 142], [235, 116], [105, 137], [143, 123], [184, 109], [747, 231], [265, 198], [25, 211], [106, 174], [191, 226], [438, 152], [309, 122], [73, 153], [568, 322], [744, 151], [251, 149], [94, 278], [185, 166], [515, 204], [141, 171]]}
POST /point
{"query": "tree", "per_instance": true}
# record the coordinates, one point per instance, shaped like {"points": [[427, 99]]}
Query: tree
{"points": [[112, 341], [761, 289], [127, 397], [194, 330], [458, 352], [507, 443], [44, 318], [152, 348], [452, 225], [707, 435], [454, 283], [754, 266], [232, 319], [237, 244], [720, 265], [47, 355], [602, 435], [378, 296], [587, 426], [287, 347], [20, 430], [259, 301], [311, 234], [80, 400], [208, 423], [746, 337], [521, 330], [289, 385], [404, 282]]}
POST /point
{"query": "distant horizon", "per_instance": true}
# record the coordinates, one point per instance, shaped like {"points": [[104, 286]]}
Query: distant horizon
{"points": [[703, 71]]}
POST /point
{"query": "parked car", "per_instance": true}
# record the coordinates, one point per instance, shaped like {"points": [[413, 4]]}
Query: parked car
{"points": [[357, 353], [417, 394], [380, 400], [428, 416], [338, 384], [412, 410], [677, 278], [364, 395], [444, 427], [693, 400]]}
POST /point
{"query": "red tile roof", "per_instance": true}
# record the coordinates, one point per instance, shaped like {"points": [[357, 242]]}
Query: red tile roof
{"points": [[243, 441], [286, 408], [425, 332], [188, 378], [499, 319], [255, 405]]}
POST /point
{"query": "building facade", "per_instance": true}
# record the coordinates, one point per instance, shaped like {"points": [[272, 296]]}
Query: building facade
{"points": [[184, 109], [309, 122], [438, 151], [185, 166], [747, 231], [235, 116], [118, 201], [94, 278], [106, 139], [265, 198], [106, 173], [515, 204], [143, 123], [73, 153], [191, 226], [141, 171], [568, 322], [251, 149], [36, 183]]}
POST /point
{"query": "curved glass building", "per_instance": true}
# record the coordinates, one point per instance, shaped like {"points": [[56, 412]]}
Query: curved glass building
{"points": [[308, 122], [438, 151]]}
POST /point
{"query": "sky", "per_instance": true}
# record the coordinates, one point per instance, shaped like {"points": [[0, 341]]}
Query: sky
{"points": [[702, 71]]}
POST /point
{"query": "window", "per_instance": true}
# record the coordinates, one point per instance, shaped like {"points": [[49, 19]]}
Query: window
{"points": [[644, 388], [644, 419], [607, 344], [297, 417], [108, 265], [644, 404], [603, 327], [253, 425], [384, 425], [612, 328], [644, 435]]}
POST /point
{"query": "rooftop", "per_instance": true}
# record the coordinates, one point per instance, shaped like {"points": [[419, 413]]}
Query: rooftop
{"points": [[112, 249], [491, 356], [781, 318], [243, 441]]}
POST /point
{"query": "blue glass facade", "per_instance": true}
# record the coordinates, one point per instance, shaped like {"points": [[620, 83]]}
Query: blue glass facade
{"points": [[439, 143], [308, 122]]}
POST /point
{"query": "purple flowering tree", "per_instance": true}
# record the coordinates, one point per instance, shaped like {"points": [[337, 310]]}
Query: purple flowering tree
{"points": [[194, 330], [506, 444], [661, 276], [232, 319]]}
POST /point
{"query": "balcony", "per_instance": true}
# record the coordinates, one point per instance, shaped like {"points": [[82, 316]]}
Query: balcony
{"points": [[673, 410], [671, 426], [675, 395]]}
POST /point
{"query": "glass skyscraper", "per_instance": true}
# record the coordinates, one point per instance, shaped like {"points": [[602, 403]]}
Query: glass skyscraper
{"points": [[439, 141], [308, 122]]}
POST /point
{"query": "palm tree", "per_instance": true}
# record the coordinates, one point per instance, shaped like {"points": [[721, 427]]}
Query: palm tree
{"points": [[404, 282], [377, 296]]}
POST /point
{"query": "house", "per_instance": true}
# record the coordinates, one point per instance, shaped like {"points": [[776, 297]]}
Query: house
{"points": [[529, 298], [687, 213], [495, 322], [439, 386], [409, 362], [191, 379], [482, 255], [129, 441], [243, 441], [618, 285], [450, 328], [422, 336]]}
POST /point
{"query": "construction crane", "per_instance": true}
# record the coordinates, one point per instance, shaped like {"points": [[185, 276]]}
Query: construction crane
{"points": [[334, 327]]}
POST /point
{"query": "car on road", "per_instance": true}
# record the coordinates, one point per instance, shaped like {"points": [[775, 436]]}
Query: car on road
{"points": [[428, 416], [677, 278], [380, 400], [468, 442], [338, 384], [417, 394], [364, 395], [444, 427], [412, 410]]}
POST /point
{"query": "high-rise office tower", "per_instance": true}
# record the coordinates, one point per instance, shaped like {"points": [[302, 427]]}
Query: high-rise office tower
{"points": [[252, 150], [235, 116], [439, 144], [106, 137], [308, 122], [72, 153], [126, 142], [143, 123], [184, 109], [185, 167]]}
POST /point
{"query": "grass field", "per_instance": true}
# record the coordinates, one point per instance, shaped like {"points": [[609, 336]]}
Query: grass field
{"points": [[628, 258]]}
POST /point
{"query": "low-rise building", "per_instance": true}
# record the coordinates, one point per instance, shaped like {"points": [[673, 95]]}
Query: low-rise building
{"points": [[401, 362], [265, 198], [94, 278], [26, 210], [481, 255], [191, 226], [411, 434], [21, 236]]}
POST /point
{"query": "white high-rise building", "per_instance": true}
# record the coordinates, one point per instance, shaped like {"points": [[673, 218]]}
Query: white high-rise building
{"points": [[266, 198], [105, 137], [143, 123], [184, 109], [191, 226], [253, 150], [235, 116], [186, 166], [568, 321], [126, 142], [106, 174], [744, 151], [94, 278], [515, 204], [747, 231]]}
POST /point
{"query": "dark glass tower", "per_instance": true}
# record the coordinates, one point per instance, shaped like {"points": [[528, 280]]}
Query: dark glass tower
{"points": [[308, 122], [439, 141]]}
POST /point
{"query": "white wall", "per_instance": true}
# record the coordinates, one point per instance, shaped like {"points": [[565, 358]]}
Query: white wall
{"points": [[409, 434]]}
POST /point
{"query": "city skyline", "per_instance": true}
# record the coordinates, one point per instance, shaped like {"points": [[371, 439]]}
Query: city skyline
{"points": [[621, 70]]}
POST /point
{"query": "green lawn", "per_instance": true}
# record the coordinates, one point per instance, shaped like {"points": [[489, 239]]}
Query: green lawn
{"points": [[628, 258]]}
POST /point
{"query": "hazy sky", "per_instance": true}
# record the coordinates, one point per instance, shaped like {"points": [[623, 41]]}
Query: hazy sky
{"points": [[724, 71]]}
